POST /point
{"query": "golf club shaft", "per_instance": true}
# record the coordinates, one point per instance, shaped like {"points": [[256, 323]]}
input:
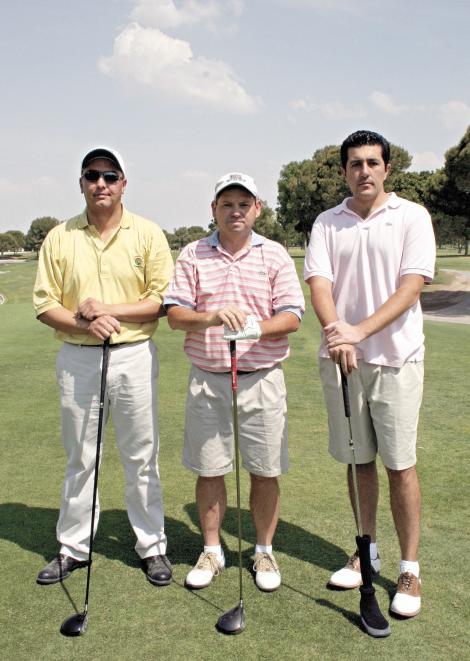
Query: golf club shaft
{"points": [[347, 413], [233, 365], [371, 618], [104, 372]]}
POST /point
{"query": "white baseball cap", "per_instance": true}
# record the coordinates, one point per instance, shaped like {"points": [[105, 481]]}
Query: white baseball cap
{"points": [[104, 152], [236, 179]]}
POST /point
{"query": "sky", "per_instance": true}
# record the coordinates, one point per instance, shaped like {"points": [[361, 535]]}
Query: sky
{"points": [[188, 90]]}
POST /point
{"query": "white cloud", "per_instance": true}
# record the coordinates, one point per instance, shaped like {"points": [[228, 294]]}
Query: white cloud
{"points": [[328, 109], [426, 160], [8, 187], [165, 14], [299, 104], [168, 65], [41, 185], [357, 7], [237, 6], [198, 176], [455, 115], [337, 110], [385, 102]]}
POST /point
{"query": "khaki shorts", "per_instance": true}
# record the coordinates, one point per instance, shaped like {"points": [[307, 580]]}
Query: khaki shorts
{"points": [[262, 422], [385, 404]]}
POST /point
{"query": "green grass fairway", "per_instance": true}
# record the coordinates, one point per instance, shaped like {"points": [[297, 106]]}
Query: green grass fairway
{"points": [[450, 259], [132, 620]]}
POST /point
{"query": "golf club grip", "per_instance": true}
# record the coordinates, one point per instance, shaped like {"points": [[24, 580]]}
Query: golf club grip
{"points": [[233, 363], [345, 389], [104, 369]]}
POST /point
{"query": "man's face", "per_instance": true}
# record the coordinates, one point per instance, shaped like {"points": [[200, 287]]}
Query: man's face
{"points": [[366, 172], [235, 211], [100, 195]]}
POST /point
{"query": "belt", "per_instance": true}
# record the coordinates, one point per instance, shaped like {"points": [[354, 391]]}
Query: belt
{"points": [[100, 346], [241, 372]]}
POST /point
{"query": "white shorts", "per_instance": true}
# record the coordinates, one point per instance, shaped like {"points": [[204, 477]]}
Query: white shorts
{"points": [[385, 403], [262, 422]]}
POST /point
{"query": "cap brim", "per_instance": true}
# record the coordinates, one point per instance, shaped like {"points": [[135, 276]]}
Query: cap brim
{"points": [[101, 153], [232, 184]]}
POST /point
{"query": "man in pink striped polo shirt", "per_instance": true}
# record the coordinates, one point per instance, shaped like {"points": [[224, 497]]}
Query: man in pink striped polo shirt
{"points": [[219, 281]]}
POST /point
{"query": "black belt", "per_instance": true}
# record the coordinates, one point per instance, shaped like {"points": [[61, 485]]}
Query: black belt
{"points": [[100, 346], [241, 372]]}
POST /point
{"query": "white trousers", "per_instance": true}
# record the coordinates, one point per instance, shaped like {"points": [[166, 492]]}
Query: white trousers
{"points": [[132, 398]]}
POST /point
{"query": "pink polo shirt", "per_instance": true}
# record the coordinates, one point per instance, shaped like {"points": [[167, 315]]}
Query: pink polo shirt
{"points": [[364, 259], [261, 281]]}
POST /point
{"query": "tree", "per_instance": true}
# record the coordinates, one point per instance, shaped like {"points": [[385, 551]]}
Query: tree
{"points": [[451, 190], [307, 188], [184, 235], [400, 161], [7, 243], [38, 232], [457, 166], [268, 225], [18, 237], [414, 186]]}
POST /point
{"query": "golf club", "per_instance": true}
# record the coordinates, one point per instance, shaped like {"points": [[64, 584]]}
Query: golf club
{"points": [[372, 619], [233, 621], [76, 625]]}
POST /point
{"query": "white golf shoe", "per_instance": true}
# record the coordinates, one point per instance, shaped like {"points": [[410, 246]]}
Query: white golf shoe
{"points": [[207, 566], [268, 576], [350, 575], [407, 600]]}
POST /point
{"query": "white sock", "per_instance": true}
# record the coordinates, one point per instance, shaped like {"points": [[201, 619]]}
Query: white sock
{"points": [[373, 551], [411, 566], [217, 549], [259, 548]]}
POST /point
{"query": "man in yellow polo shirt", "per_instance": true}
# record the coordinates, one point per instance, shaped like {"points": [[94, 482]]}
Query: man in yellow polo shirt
{"points": [[103, 274]]}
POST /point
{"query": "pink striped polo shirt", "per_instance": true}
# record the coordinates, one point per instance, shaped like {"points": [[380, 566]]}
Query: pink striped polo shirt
{"points": [[261, 281]]}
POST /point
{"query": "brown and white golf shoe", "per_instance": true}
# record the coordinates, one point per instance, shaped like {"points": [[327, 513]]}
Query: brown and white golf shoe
{"points": [[349, 576], [407, 600]]}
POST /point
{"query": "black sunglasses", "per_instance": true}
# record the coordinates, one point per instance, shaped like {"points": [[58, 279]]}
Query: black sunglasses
{"points": [[109, 176]]}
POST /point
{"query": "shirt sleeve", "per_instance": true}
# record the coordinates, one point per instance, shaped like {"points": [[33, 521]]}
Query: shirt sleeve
{"points": [[158, 266], [419, 250], [48, 287], [286, 290], [317, 257], [182, 289]]}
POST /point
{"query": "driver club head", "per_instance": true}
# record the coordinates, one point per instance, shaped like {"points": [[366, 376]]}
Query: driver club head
{"points": [[74, 625], [233, 621], [372, 620]]}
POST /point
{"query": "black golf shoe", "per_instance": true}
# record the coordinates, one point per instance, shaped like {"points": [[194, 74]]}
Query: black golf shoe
{"points": [[59, 569], [157, 569]]}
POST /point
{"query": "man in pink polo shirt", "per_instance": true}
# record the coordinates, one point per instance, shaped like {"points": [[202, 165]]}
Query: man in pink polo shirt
{"points": [[219, 282], [366, 264]]}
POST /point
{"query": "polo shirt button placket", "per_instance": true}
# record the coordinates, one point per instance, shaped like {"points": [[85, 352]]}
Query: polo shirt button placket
{"points": [[104, 271]]}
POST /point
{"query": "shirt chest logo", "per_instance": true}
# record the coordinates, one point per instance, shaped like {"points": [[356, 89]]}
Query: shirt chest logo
{"points": [[138, 262]]}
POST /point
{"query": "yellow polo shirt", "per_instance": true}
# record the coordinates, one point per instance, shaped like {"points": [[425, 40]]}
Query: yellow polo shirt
{"points": [[75, 264]]}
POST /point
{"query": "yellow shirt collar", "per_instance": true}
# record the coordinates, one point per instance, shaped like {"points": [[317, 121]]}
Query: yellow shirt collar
{"points": [[125, 219]]}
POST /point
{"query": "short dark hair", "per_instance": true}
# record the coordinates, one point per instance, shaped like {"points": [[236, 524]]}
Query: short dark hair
{"points": [[360, 138]]}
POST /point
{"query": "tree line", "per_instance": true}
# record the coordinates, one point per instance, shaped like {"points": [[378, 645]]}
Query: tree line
{"points": [[308, 187]]}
